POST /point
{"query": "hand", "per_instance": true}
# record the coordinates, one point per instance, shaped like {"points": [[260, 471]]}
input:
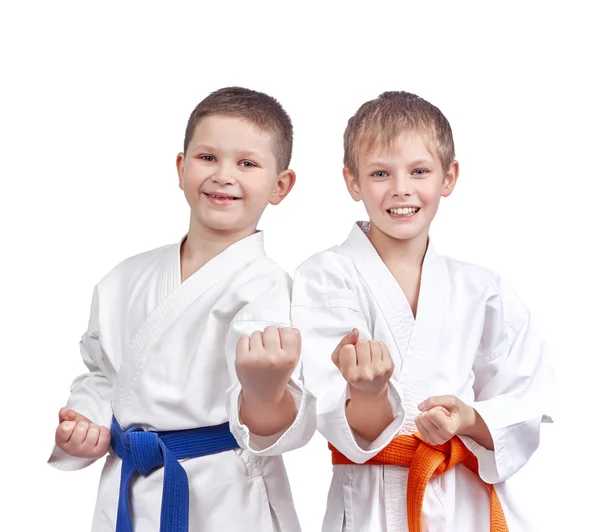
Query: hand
{"points": [[365, 365], [265, 362], [443, 417], [78, 436]]}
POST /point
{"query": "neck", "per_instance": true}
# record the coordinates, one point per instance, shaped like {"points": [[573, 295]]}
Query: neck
{"points": [[395, 252], [203, 244]]}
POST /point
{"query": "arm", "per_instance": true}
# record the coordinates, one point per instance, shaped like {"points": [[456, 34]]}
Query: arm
{"points": [[369, 415], [325, 308], [267, 419], [90, 394], [264, 364], [367, 368], [514, 389], [478, 431]]}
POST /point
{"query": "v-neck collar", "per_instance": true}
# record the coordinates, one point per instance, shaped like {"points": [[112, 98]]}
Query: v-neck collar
{"points": [[415, 338]]}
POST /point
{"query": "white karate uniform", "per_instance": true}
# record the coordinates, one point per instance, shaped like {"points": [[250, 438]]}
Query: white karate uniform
{"points": [[160, 355], [472, 338]]}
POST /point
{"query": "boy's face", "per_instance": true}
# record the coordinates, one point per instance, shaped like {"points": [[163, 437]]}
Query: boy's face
{"points": [[229, 175], [401, 188]]}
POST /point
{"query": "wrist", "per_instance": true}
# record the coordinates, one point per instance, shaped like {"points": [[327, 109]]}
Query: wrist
{"points": [[262, 401], [369, 413], [471, 420], [265, 417], [367, 397]]}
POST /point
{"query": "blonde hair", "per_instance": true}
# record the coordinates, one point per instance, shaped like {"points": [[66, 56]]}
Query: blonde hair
{"points": [[378, 123]]}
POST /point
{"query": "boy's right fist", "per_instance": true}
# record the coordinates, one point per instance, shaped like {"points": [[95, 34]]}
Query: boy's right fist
{"points": [[78, 436], [265, 361], [366, 365]]}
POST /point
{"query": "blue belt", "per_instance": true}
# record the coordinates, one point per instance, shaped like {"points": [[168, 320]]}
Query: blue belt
{"points": [[142, 451]]}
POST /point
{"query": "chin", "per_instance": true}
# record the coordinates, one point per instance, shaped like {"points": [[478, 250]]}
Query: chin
{"points": [[218, 223], [401, 233], [223, 226]]}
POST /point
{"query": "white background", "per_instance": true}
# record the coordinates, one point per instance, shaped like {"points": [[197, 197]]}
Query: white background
{"points": [[93, 107]]}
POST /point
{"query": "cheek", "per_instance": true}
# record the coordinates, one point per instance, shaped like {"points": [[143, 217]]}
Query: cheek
{"points": [[258, 189], [430, 193], [373, 193], [190, 176], [190, 187]]}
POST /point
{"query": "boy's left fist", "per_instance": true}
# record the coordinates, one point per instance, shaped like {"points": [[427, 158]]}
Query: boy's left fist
{"points": [[443, 417], [265, 362]]}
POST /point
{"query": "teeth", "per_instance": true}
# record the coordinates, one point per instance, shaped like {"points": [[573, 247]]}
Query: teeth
{"points": [[405, 211]]}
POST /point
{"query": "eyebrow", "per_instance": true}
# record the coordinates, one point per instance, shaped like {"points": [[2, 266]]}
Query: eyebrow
{"points": [[249, 154], [384, 162], [422, 161], [203, 147], [375, 163]]}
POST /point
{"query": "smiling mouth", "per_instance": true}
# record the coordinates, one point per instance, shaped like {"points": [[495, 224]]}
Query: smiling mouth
{"points": [[404, 211], [221, 196]]}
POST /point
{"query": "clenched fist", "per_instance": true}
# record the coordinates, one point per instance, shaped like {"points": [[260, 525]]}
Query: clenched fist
{"points": [[445, 416], [78, 436], [265, 362], [365, 365]]}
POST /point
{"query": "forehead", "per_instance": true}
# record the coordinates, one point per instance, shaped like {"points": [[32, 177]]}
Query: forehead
{"points": [[231, 133], [408, 145]]}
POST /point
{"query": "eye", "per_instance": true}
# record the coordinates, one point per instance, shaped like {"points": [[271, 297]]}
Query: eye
{"points": [[380, 174], [207, 157], [247, 164], [420, 172]]}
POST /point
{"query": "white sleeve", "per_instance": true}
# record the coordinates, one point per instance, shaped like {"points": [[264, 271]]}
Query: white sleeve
{"points": [[514, 386], [90, 392], [269, 306], [325, 308]]}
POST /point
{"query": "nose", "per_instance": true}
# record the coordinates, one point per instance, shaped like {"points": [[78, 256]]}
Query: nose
{"points": [[401, 186], [224, 175]]}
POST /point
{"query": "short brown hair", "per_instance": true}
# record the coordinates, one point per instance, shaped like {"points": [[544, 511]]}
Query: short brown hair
{"points": [[261, 110], [379, 122]]}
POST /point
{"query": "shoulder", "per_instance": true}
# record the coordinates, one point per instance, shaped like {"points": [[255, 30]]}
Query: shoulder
{"points": [[263, 269], [138, 266], [327, 279], [326, 267], [259, 292], [471, 274], [261, 281], [494, 290]]}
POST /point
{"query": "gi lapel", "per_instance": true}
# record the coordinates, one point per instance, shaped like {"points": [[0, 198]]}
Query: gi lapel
{"points": [[175, 304], [415, 340]]}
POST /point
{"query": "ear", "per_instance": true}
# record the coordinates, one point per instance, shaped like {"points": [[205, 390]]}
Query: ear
{"points": [[180, 162], [352, 184], [285, 182], [450, 179]]}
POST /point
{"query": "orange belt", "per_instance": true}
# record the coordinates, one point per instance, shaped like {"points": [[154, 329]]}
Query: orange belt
{"points": [[424, 461]]}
